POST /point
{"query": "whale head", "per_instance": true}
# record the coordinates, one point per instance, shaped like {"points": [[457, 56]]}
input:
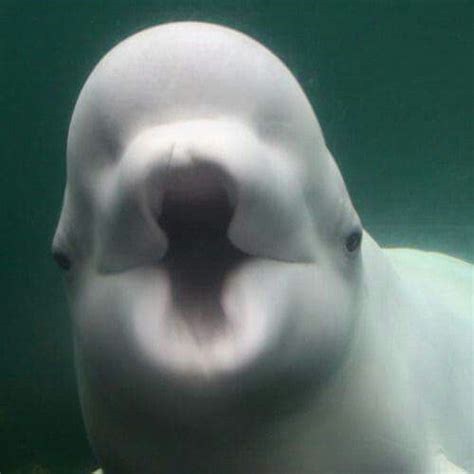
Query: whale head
{"points": [[211, 252]]}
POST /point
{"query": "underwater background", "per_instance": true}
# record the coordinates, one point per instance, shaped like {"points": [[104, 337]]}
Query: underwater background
{"points": [[391, 83]]}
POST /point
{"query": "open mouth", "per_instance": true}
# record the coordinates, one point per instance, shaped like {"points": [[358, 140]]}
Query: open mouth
{"points": [[195, 216], [220, 310]]}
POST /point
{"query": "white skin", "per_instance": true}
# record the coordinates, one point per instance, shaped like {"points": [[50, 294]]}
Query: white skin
{"points": [[230, 314]]}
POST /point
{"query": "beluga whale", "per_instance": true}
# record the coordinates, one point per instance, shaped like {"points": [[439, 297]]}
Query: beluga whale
{"points": [[230, 313]]}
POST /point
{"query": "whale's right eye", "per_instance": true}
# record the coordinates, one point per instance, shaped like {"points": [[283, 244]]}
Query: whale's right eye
{"points": [[354, 240], [62, 260]]}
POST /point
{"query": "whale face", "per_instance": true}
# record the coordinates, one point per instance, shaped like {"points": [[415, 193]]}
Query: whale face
{"points": [[210, 248]]}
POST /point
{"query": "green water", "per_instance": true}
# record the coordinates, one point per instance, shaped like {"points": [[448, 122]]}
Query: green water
{"points": [[391, 82]]}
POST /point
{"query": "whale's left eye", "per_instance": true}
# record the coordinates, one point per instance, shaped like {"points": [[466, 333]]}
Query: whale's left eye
{"points": [[62, 260], [354, 240]]}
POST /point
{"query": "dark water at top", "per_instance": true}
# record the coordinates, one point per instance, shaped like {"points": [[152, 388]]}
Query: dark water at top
{"points": [[390, 81]]}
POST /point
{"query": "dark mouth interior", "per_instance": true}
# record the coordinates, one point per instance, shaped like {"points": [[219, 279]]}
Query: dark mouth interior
{"points": [[196, 213]]}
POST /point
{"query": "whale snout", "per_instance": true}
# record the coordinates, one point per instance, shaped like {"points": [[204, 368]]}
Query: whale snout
{"points": [[203, 179]]}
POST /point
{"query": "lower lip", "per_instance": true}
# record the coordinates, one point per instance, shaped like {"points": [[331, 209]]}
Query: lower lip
{"points": [[202, 332]]}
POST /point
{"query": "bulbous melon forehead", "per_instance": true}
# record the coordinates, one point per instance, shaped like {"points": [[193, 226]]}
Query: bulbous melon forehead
{"points": [[187, 71]]}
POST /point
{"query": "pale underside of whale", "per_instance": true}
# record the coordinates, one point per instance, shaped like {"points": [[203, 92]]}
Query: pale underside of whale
{"points": [[452, 279]]}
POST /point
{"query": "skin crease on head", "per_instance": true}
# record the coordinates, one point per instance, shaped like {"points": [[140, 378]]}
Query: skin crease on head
{"points": [[230, 313]]}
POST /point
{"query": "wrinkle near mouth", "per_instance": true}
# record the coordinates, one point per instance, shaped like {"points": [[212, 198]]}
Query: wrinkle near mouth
{"points": [[195, 216]]}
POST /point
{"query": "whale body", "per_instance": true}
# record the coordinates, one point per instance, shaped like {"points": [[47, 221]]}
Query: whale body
{"points": [[230, 313]]}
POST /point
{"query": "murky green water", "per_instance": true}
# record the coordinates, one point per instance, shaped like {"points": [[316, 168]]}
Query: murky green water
{"points": [[391, 83]]}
